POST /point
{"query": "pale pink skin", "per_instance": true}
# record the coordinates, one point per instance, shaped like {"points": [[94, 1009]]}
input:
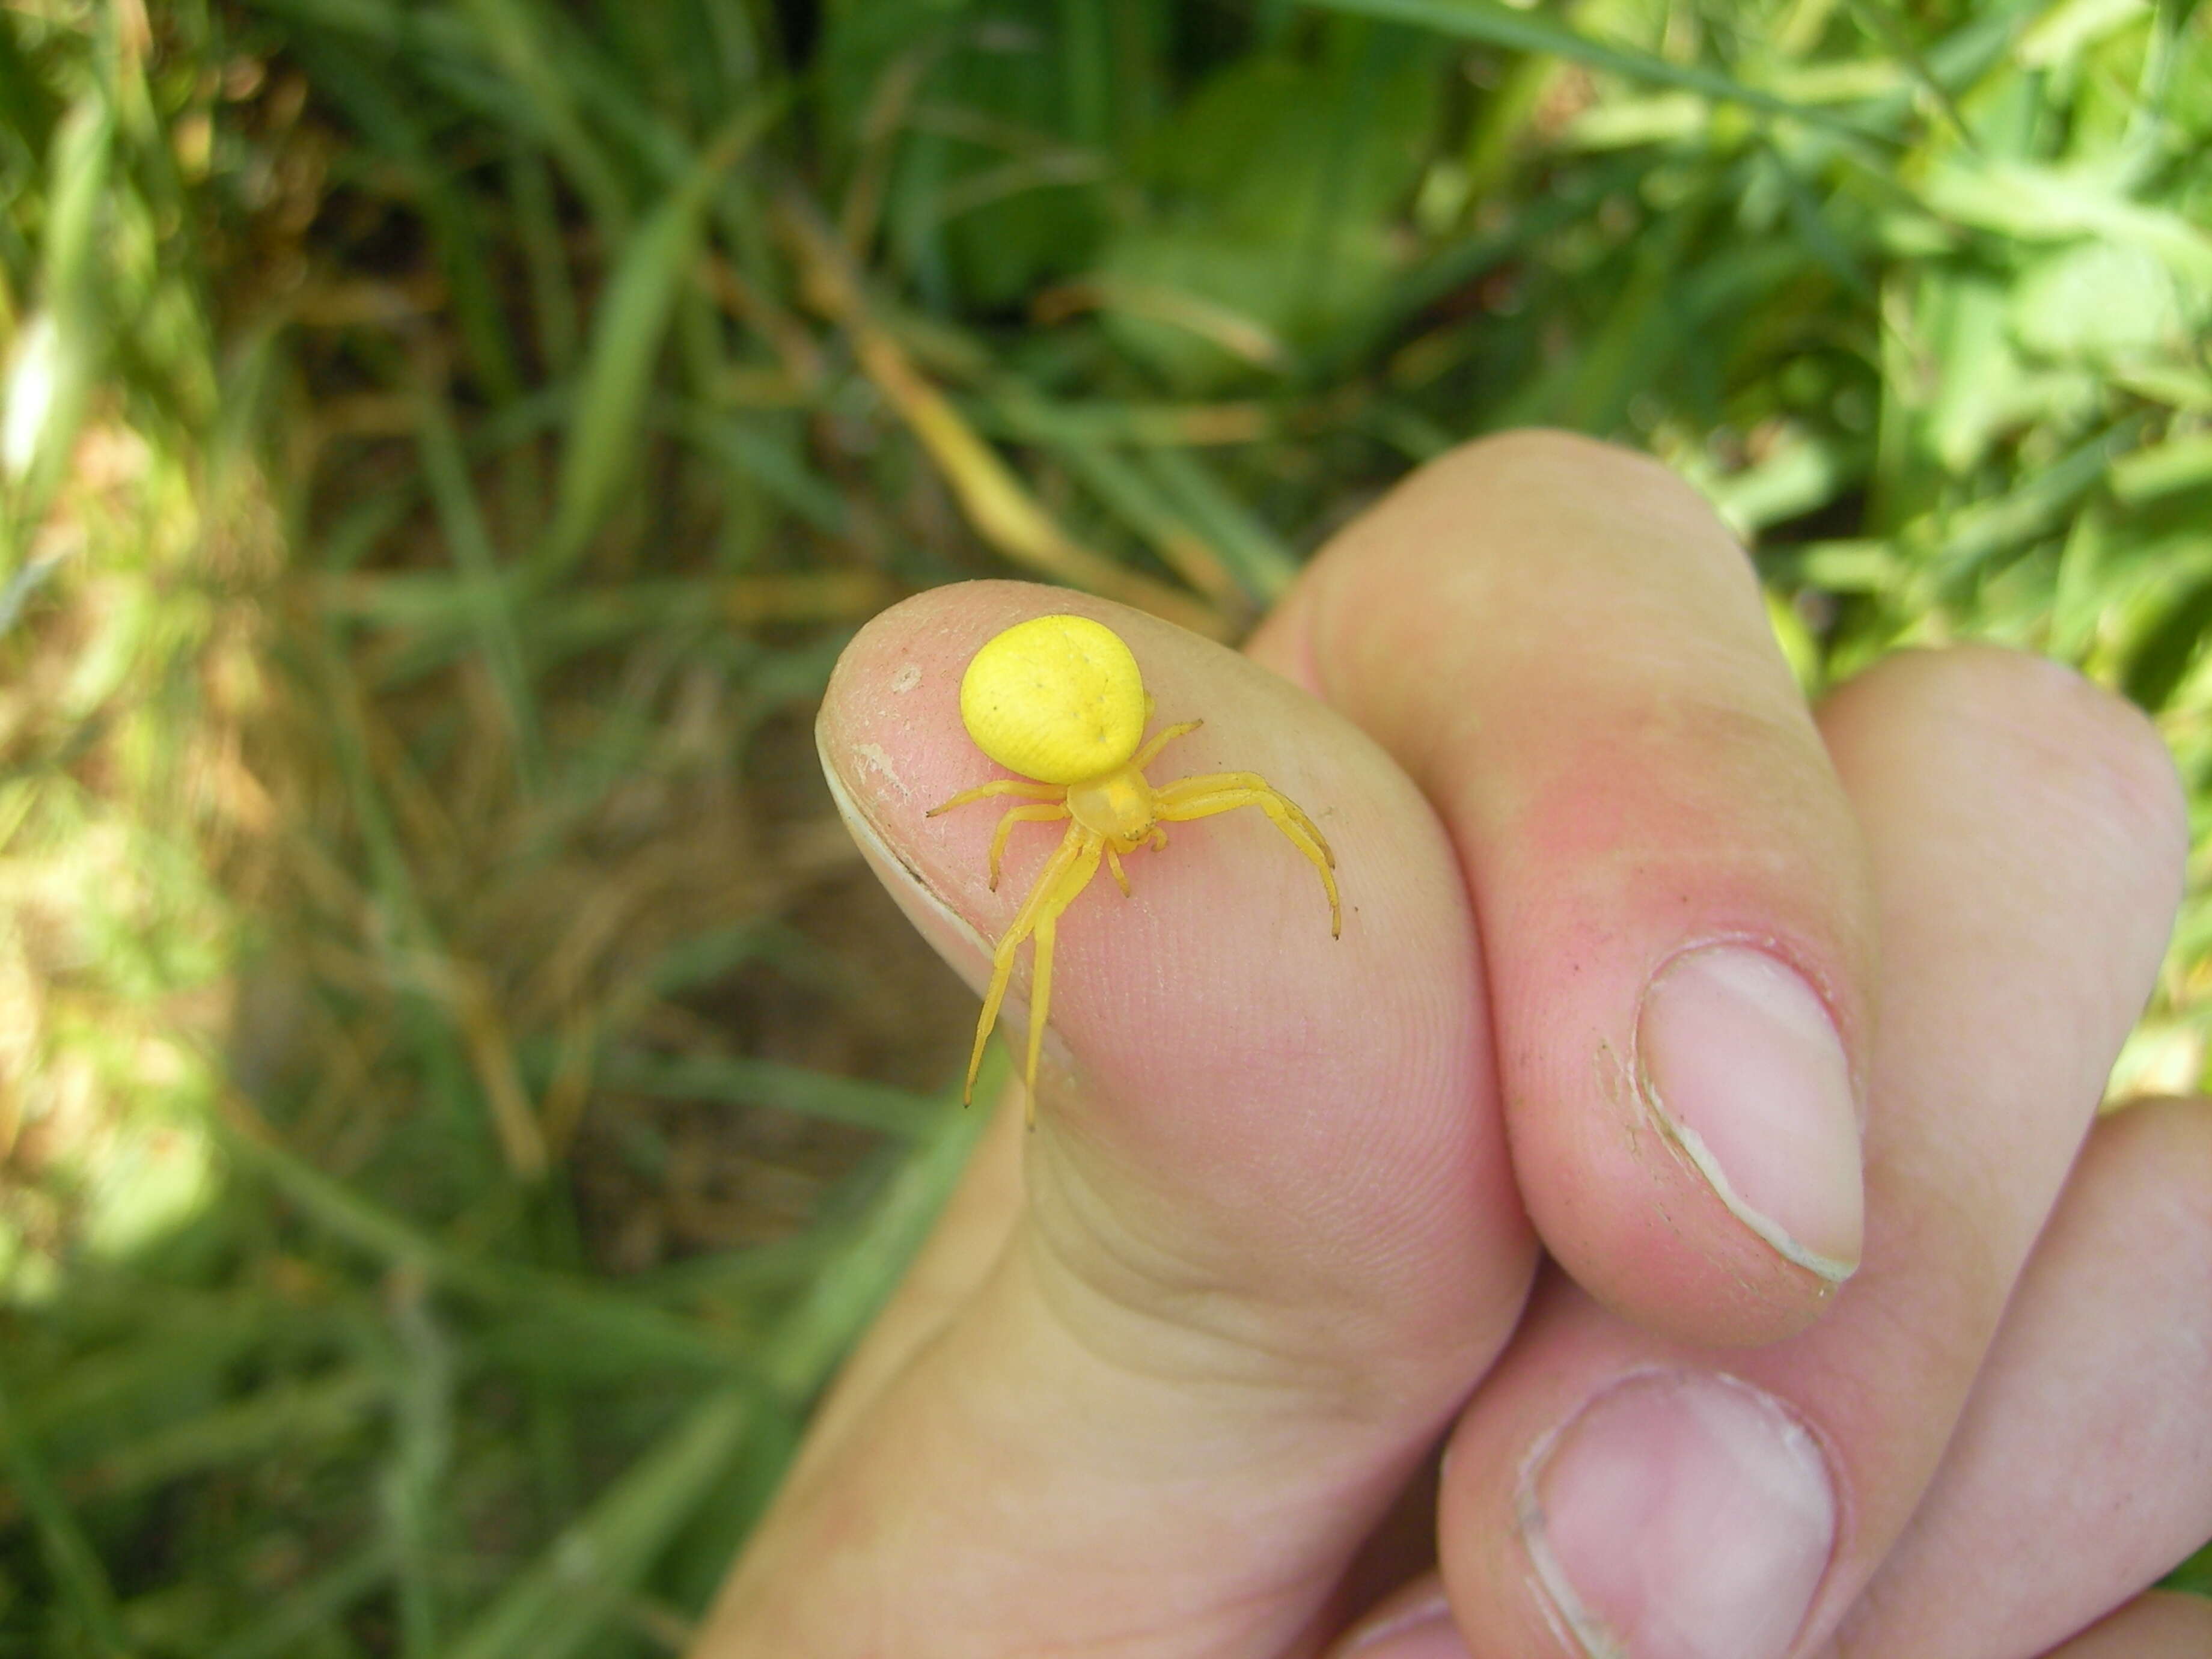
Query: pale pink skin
{"points": [[1170, 1358]]}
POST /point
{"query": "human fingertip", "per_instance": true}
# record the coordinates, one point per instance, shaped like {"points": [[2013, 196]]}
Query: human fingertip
{"points": [[2071, 728]]}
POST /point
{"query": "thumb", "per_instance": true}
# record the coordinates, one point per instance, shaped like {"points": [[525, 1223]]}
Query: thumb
{"points": [[1267, 1238]]}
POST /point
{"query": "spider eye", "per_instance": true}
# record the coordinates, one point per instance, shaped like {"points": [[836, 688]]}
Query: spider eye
{"points": [[1056, 698]]}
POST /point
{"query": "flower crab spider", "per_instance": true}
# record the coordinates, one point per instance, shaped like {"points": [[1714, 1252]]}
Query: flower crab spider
{"points": [[1059, 700]]}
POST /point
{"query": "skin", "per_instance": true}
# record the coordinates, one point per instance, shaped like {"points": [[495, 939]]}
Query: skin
{"points": [[1171, 1378]]}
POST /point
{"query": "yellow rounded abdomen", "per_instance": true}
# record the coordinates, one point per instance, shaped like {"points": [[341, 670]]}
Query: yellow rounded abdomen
{"points": [[1056, 698]]}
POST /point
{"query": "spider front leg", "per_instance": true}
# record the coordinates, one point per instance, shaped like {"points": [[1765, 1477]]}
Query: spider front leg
{"points": [[1225, 792], [1027, 787], [1047, 930], [1144, 756], [1068, 872], [1039, 814], [1249, 783]]}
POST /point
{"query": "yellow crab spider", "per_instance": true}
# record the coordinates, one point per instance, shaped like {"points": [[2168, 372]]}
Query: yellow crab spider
{"points": [[1059, 700]]}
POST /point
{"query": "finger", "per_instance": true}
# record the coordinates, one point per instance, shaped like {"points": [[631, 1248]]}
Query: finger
{"points": [[1415, 1622], [2027, 844], [1269, 1239], [2083, 1468], [2158, 1625], [1569, 654]]}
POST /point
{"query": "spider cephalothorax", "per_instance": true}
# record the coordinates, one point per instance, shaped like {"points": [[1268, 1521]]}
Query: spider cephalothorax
{"points": [[1059, 700]]}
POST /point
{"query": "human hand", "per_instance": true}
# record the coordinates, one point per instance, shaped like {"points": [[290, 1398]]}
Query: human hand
{"points": [[1167, 1379]]}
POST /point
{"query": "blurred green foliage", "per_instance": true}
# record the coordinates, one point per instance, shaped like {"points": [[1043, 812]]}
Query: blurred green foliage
{"points": [[459, 1099]]}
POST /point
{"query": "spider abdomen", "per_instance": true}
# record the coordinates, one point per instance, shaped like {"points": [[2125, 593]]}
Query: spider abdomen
{"points": [[1057, 698]]}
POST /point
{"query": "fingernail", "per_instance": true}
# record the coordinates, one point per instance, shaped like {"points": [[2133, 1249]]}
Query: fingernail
{"points": [[1740, 1061], [957, 938], [1680, 1517], [1423, 1632]]}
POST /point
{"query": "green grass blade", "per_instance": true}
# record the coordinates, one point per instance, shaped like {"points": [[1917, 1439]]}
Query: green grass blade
{"points": [[29, 108], [779, 468], [70, 1557], [739, 1081], [2170, 646], [567, 1310], [77, 196], [1521, 31], [853, 1284], [2032, 203], [2172, 468], [486, 594], [1878, 20], [54, 371], [516, 40], [1141, 505], [1263, 564], [418, 1462], [625, 346], [287, 1415], [395, 131], [300, 1614], [563, 1603], [552, 286]]}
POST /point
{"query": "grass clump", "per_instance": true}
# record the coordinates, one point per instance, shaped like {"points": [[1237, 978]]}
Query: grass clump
{"points": [[446, 444]]}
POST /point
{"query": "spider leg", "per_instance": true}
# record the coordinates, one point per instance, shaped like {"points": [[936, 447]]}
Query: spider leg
{"points": [[1213, 783], [1227, 791], [1039, 999], [1143, 756], [1065, 892], [1038, 814], [1114, 863], [1000, 786], [1068, 858]]}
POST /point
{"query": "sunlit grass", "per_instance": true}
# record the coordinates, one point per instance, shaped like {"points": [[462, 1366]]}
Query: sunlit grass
{"points": [[459, 1093]]}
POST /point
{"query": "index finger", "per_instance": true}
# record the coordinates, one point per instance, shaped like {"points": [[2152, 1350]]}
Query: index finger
{"points": [[1570, 655]]}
